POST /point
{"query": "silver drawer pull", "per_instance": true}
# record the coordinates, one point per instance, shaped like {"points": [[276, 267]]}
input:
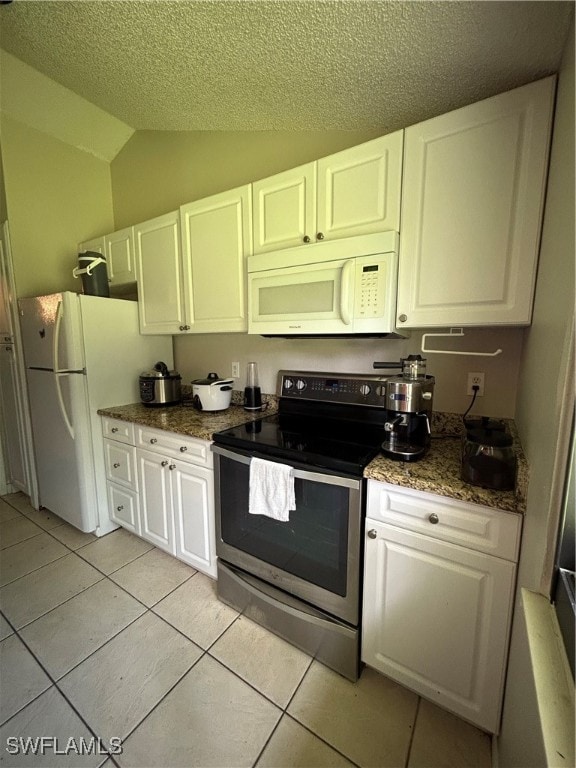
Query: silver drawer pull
{"points": [[183, 449], [153, 440], [114, 430], [372, 534], [434, 518], [164, 464], [116, 465], [172, 466], [120, 508]]}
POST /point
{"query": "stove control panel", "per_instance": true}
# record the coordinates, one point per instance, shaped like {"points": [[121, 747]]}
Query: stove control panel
{"points": [[342, 388]]}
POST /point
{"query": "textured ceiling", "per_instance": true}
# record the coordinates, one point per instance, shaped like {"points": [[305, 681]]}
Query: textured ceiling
{"points": [[285, 64]]}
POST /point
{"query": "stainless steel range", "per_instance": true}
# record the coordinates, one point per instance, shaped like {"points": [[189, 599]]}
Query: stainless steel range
{"points": [[301, 577]]}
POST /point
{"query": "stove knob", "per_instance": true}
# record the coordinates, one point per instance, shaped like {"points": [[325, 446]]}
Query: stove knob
{"points": [[288, 383], [300, 385], [365, 389]]}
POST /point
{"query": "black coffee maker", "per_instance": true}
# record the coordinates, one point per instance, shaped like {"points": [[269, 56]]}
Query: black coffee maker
{"points": [[409, 409]]}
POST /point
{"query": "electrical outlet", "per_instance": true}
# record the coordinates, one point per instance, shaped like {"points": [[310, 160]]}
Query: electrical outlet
{"points": [[475, 380], [235, 370]]}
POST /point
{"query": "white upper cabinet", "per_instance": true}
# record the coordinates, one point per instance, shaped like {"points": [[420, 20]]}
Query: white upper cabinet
{"points": [[359, 188], [353, 192], [472, 200], [216, 239], [118, 249], [285, 209], [163, 291], [120, 261]]}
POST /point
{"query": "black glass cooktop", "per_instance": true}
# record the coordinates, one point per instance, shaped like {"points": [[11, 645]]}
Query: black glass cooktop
{"points": [[327, 443]]}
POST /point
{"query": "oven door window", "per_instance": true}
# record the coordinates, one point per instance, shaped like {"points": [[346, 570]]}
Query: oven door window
{"points": [[312, 545]]}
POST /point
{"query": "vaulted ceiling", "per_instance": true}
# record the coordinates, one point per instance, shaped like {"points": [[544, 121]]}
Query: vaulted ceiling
{"points": [[284, 64]]}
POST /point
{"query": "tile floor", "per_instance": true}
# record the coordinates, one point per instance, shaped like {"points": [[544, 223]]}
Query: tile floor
{"points": [[110, 638]]}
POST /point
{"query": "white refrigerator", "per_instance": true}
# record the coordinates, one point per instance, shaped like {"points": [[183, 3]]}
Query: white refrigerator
{"points": [[81, 353]]}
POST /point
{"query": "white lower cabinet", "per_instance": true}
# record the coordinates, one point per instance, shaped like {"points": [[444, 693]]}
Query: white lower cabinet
{"points": [[160, 487], [156, 518], [436, 614]]}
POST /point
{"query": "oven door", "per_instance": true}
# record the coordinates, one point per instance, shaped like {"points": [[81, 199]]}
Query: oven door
{"points": [[315, 555]]}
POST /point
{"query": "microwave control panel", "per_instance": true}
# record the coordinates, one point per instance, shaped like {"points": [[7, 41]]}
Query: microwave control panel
{"points": [[338, 388], [371, 296]]}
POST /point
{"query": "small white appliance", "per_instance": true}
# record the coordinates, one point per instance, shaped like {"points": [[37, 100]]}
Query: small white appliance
{"points": [[81, 353], [335, 287], [212, 393]]}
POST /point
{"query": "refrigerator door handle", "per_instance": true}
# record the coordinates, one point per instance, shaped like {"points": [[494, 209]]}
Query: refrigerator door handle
{"points": [[61, 405], [55, 346]]}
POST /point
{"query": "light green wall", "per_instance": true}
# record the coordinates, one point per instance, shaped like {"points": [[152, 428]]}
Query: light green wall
{"points": [[157, 171], [57, 196], [545, 400], [545, 361]]}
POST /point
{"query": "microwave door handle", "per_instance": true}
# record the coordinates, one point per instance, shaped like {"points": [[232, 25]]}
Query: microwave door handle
{"points": [[347, 272]]}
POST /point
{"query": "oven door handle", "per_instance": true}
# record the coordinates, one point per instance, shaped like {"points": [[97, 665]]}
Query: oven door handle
{"points": [[299, 474]]}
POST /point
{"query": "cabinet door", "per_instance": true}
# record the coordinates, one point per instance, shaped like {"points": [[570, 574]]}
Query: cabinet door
{"points": [[285, 209], [12, 430], [216, 239], [120, 462], [436, 619], [359, 189], [161, 288], [120, 257], [123, 506], [472, 200], [156, 523], [193, 504]]}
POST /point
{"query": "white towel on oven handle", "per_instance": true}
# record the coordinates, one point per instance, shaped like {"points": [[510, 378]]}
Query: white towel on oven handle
{"points": [[271, 490]]}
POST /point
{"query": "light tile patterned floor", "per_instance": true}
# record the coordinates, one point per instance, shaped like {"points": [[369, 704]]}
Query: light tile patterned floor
{"points": [[111, 638]]}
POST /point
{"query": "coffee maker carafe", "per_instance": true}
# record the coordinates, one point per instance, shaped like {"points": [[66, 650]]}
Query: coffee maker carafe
{"points": [[409, 409]]}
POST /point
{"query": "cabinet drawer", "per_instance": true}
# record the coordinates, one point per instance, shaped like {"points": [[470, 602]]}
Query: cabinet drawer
{"points": [[123, 507], [120, 464], [179, 446], [123, 431], [471, 525]]}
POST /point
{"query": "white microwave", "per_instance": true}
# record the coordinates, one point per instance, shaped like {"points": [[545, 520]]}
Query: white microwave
{"points": [[335, 287]]}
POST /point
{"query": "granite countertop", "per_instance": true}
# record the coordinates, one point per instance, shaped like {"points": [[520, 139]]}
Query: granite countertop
{"points": [[438, 472], [186, 420]]}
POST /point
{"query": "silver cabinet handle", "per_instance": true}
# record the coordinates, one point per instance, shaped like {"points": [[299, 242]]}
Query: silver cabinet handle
{"points": [[183, 449], [403, 318], [433, 518], [306, 239], [320, 236], [114, 430], [116, 465], [164, 464], [120, 508], [182, 327], [153, 440], [372, 534], [172, 466]]}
